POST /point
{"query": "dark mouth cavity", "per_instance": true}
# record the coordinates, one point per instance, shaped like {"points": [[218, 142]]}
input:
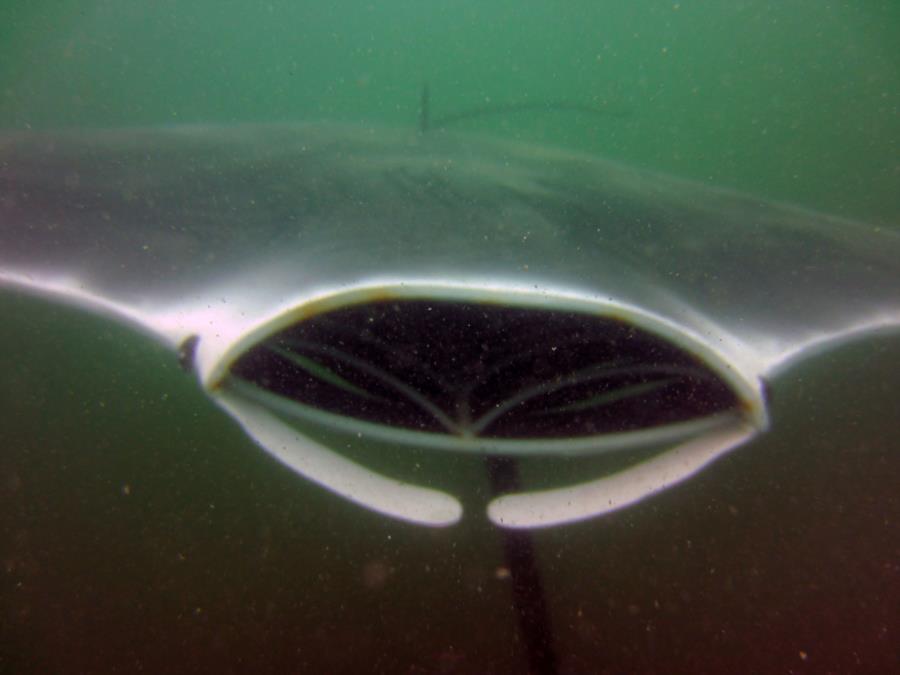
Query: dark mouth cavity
{"points": [[484, 370]]}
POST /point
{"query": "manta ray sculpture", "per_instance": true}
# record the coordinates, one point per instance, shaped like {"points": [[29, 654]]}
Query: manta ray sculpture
{"points": [[331, 285]]}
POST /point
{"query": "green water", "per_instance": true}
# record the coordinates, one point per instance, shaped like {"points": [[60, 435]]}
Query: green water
{"points": [[791, 100], [141, 532]]}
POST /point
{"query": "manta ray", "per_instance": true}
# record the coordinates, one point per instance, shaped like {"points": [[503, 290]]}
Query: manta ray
{"points": [[338, 285]]}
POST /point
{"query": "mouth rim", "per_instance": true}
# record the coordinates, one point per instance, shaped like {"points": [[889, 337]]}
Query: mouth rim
{"points": [[746, 386]]}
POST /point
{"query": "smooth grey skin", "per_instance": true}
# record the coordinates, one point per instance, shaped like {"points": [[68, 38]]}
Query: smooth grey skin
{"points": [[231, 233]]}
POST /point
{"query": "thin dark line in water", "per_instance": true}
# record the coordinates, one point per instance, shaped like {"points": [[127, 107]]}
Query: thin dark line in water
{"points": [[529, 600], [539, 106], [425, 109], [427, 123]]}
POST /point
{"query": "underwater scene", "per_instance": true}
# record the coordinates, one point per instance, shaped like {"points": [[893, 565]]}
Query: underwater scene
{"points": [[452, 337]]}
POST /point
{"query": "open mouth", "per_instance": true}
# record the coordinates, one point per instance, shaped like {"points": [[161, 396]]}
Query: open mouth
{"points": [[353, 389], [476, 371]]}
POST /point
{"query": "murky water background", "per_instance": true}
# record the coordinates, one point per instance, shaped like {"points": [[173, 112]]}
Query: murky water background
{"points": [[140, 531]]}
